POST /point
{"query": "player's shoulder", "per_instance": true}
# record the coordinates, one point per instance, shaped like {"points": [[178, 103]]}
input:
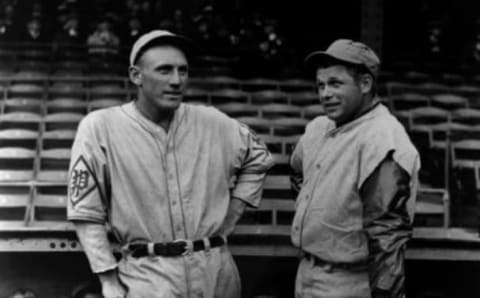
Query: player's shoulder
{"points": [[203, 112], [384, 123], [100, 118], [317, 124]]}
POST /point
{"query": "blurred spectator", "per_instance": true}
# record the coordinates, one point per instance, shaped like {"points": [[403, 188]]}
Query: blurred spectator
{"points": [[103, 41], [271, 43], [476, 43], [34, 32], [69, 31], [23, 293], [7, 21], [135, 29]]}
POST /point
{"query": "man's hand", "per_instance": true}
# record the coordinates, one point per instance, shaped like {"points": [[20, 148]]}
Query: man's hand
{"points": [[111, 285]]}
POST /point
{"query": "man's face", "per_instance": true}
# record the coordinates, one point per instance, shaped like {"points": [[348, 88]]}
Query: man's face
{"points": [[340, 94], [162, 78]]}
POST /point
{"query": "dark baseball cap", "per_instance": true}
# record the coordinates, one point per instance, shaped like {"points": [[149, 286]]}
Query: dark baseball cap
{"points": [[346, 50], [162, 37]]}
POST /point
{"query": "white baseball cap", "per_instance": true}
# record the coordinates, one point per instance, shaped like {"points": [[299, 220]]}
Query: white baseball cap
{"points": [[162, 37]]}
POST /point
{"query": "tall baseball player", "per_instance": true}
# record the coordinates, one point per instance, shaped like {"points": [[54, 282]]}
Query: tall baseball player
{"points": [[170, 179]]}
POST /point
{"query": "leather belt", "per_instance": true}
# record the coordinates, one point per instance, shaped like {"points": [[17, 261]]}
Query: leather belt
{"points": [[173, 249], [357, 266]]}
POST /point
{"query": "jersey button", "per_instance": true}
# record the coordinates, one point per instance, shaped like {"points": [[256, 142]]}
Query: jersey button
{"points": [[318, 166]]}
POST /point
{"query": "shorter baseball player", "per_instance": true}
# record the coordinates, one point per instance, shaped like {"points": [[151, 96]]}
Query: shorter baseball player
{"points": [[355, 208], [170, 179]]}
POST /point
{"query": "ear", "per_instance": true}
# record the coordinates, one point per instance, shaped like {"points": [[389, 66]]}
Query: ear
{"points": [[366, 83], [135, 75]]}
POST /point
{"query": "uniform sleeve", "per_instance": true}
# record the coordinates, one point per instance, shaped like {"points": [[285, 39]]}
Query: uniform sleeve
{"points": [[387, 222], [296, 164], [255, 162], [87, 176]]}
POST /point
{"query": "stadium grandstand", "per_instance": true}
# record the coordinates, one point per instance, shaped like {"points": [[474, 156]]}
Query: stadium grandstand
{"points": [[61, 59]]}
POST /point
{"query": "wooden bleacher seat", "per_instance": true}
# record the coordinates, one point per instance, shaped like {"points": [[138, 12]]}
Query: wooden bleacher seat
{"points": [[214, 83], [23, 120], [313, 111], [288, 126], [452, 79], [399, 87], [466, 170], [14, 205], [303, 98], [23, 138], [25, 90], [430, 88], [432, 206], [280, 144], [268, 96], [34, 65], [66, 105], [278, 110], [228, 96], [70, 89], [448, 101], [468, 91], [54, 165], [236, 110], [466, 153], [50, 204], [16, 164], [196, 95], [296, 85], [42, 54], [467, 116], [408, 101], [259, 84], [456, 132], [416, 77], [29, 105], [110, 91], [62, 121], [428, 116], [62, 138]]}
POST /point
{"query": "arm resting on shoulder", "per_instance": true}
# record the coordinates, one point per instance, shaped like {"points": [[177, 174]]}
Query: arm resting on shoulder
{"points": [[386, 220]]}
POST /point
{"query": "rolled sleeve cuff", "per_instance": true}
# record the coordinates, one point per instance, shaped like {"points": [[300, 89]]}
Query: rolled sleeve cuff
{"points": [[249, 189]]}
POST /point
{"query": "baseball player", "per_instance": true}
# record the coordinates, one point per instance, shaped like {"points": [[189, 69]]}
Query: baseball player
{"points": [[355, 206], [170, 179]]}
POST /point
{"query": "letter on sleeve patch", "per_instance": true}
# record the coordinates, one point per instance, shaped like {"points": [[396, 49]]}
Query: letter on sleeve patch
{"points": [[81, 182]]}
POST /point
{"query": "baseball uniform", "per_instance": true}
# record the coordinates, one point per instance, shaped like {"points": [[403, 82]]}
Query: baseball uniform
{"points": [[334, 223], [157, 186]]}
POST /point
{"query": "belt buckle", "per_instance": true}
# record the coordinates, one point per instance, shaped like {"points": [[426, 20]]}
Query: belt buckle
{"points": [[188, 246]]}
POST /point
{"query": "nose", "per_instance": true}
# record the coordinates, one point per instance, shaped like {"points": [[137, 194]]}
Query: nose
{"points": [[175, 78]]}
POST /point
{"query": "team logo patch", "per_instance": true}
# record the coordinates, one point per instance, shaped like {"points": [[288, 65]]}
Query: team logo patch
{"points": [[81, 181]]}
